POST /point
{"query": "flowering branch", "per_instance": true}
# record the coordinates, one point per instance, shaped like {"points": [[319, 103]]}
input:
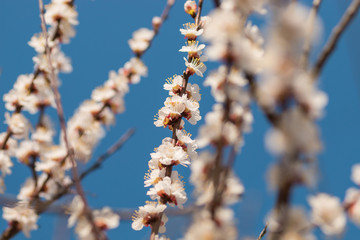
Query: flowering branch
{"points": [[70, 152], [182, 104], [335, 36]]}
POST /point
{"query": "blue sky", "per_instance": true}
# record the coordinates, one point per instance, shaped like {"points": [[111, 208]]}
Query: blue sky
{"points": [[101, 45]]}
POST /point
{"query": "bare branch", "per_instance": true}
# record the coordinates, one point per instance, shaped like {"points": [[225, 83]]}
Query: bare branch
{"points": [[123, 139], [334, 37]]}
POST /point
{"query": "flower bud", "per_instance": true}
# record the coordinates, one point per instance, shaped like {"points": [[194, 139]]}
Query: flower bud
{"points": [[190, 8], [156, 22]]}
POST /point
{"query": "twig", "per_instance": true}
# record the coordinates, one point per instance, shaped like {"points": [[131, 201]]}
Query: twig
{"points": [[197, 18], [31, 165], [304, 61], [164, 16], [9, 133], [263, 232], [42, 187], [124, 138], [334, 37]]}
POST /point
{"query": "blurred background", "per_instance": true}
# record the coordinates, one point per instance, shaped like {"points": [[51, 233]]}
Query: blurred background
{"points": [[101, 45]]}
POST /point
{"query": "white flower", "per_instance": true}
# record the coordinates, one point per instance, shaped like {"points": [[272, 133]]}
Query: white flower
{"points": [[38, 43], [18, 125], [190, 7], [352, 204], [169, 191], [22, 215], [5, 163], [60, 62], [134, 70], [54, 161], [75, 210], [60, 11], [193, 49], [106, 219], [149, 214], [190, 31], [84, 134], [175, 86], [328, 213], [235, 83], [189, 145], [44, 132], [296, 132], [167, 154], [204, 227], [27, 149], [102, 94], [118, 82], [144, 34], [138, 46], [195, 66], [84, 229]]}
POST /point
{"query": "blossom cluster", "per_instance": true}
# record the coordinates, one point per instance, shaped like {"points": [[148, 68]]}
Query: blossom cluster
{"points": [[33, 146], [238, 45], [182, 103], [85, 128], [289, 96]]}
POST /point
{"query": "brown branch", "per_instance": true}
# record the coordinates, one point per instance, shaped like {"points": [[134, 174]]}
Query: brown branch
{"points": [[11, 231], [334, 37], [31, 166], [304, 61], [9, 133], [123, 139], [197, 18]]}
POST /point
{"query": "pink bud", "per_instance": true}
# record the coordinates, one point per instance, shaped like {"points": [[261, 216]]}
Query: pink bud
{"points": [[156, 22], [190, 8]]}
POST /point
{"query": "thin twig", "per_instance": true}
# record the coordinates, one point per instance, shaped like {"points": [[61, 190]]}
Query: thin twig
{"points": [[334, 37], [263, 232], [304, 61], [197, 18], [123, 139], [31, 166], [164, 16]]}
